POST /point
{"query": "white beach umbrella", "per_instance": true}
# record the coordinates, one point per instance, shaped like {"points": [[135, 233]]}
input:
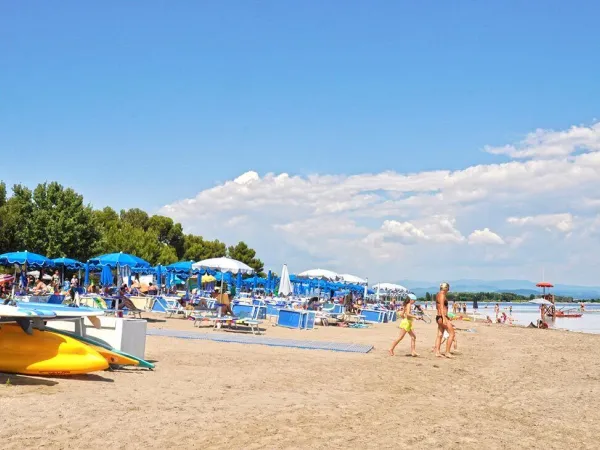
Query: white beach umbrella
{"points": [[285, 286], [540, 301], [390, 287], [319, 273], [224, 265], [353, 279]]}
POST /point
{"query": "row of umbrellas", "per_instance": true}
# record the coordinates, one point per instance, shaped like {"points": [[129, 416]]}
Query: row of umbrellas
{"points": [[223, 265]]}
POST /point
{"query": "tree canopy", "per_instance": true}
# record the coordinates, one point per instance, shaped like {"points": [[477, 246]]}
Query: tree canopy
{"points": [[54, 221]]}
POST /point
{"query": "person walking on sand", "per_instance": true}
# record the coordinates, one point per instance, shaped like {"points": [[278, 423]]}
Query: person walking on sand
{"points": [[406, 326], [443, 322]]}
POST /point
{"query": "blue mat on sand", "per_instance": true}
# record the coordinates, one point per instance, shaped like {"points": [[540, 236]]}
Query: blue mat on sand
{"points": [[261, 340]]}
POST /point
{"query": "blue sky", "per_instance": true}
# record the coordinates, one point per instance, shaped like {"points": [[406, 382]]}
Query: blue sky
{"points": [[146, 106], [112, 95]]}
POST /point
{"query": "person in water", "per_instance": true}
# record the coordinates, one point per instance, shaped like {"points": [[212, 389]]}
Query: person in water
{"points": [[406, 326], [443, 322]]}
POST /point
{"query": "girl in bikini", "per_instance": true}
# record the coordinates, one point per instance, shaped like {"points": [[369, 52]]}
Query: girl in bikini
{"points": [[406, 326], [443, 322]]}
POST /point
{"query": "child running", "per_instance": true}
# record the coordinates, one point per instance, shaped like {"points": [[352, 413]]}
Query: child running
{"points": [[406, 326]]}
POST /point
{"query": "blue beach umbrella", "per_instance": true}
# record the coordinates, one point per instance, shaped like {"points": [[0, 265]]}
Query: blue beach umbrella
{"points": [[106, 277], [181, 267], [269, 281], [86, 280], [119, 260], [67, 263], [31, 259], [159, 277], [238, 281]]}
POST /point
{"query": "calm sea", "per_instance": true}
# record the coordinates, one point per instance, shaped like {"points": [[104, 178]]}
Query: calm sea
{"points": [[525, 313]]}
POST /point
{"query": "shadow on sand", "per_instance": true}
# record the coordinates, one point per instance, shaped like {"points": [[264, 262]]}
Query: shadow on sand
{"points": [[25, 380], [151, 320]]}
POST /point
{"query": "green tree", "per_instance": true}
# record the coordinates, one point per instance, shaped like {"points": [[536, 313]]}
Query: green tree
{"points": [[245, 254], [60, 224], [129, 239], [196, 248], [2, 194], [427, 297], [106, 218], [135, 217], [169, 233], [54, 221], [16, 212]]}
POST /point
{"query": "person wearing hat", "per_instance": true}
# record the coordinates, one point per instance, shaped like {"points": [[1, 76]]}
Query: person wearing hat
{"points": [[406, 325]]}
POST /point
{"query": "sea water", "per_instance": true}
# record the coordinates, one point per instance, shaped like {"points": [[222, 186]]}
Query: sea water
{"points": [[525, 313]]}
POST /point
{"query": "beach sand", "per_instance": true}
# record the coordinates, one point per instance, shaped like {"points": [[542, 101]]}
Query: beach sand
{"points": [[509, 388]]}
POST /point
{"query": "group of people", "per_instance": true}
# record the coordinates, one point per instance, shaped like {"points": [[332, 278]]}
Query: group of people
{"points": [[445, 332]]}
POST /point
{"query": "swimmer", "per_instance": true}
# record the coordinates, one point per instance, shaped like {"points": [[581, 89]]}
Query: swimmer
{"points": [[443, 322], [406, 326]]}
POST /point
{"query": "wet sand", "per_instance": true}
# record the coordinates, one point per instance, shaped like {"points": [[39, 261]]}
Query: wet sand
{"points": [[510, 387]]}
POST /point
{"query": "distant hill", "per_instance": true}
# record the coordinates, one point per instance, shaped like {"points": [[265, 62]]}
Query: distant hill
{"points": [[520, 287]]}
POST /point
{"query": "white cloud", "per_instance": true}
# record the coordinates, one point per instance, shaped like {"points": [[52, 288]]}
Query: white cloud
{"points": [[560, 222], [552, 144], [393, 225], [485, 237]]}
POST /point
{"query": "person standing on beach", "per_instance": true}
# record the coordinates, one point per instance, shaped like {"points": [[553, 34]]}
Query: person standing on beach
{"points": [[406, 326], [443, 322]]}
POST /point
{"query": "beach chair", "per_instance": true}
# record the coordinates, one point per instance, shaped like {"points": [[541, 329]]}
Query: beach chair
{"points": [[252, 321], [174, 308]]}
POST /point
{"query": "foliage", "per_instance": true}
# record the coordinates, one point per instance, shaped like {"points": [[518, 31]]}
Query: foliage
{"points": [[54, 221], [245, 254], [196, 248], [51, 220]]}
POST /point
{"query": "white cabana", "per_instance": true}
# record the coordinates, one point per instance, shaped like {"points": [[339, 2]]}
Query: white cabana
{"points": [[285, 286]]}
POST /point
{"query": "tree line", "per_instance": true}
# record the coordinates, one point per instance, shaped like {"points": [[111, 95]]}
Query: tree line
{"points": [[54, 221], [495, 297]]}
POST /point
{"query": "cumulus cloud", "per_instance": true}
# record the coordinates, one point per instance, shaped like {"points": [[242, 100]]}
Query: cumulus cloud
{"points": [[485, 237], [560, 222], [551, 144], [391, 225]]}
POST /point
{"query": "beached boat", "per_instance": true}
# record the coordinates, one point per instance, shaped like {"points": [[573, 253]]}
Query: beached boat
{"points": [[46, 353], [561, 313]]}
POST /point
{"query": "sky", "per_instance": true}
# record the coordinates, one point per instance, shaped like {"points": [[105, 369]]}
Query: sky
{"points": [[393, 140]]}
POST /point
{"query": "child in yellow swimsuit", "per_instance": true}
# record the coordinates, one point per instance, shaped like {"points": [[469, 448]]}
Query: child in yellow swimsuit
{"points": [[406, 326]]}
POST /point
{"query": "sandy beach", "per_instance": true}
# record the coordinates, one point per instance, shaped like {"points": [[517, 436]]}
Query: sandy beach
{"points": [[510, 387]]}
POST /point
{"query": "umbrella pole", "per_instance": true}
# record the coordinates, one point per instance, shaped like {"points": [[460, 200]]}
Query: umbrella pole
{"points": [[14, 282], [118, 290], [221, 297]]}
